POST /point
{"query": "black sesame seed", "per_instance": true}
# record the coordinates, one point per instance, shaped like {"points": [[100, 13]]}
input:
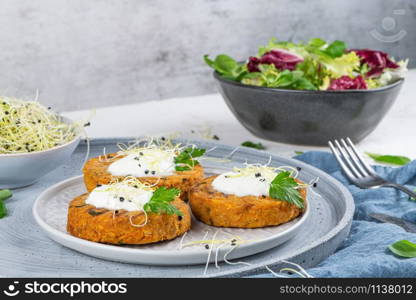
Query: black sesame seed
{"points": [[215, 137], [39, 121], [153, 172], [262, 179], [163, 138], [49, 107], [129, 200], [206, 246], [6, 112], [87, 124], [257, 174], [136, 186], [116, 211], [136, 158], [263, 196], [121, 199], [180, 218], [141, 153], [315, 184], [146, 171], [98, 185], [298, 168]]}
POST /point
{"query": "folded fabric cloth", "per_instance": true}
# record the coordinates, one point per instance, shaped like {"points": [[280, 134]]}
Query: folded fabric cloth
{"points": [[365, 252]]}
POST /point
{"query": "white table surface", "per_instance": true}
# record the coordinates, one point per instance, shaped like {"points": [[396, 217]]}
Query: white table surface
{"points": [[208, 115]]}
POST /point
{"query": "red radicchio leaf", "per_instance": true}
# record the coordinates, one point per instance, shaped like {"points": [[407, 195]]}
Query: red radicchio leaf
{"points": [[281, 59], [253, 63], [348, 83], [376, 60]]}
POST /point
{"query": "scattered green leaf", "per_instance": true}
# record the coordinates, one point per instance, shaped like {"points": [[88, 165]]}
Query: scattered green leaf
{"points": [[161, 201], [390, 159], [284, 187], [403, 248], [4, 194], [186, 159], [299, 152], [3, 209], [258, 146]]}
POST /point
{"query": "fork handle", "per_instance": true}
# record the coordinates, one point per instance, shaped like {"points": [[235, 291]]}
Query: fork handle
{"points": [[400, 187]]}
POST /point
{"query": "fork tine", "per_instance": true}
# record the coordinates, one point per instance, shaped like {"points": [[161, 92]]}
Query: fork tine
{"points": [[354, 159], [343, 166], [367, 167], [347, 159]]}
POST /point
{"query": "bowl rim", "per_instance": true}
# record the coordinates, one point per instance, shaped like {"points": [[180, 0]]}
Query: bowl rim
{"points": [[74, 140], [218, 77]]}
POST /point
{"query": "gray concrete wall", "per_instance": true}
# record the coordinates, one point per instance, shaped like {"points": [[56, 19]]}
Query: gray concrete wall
{"points": [[85, 54]]}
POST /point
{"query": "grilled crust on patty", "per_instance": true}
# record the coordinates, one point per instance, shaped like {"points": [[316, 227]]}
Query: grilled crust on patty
{"points": [[218, 209], [95, 172], [113, 227]]}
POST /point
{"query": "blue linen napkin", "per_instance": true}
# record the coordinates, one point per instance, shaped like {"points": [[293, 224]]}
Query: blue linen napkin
{"points": [[365, 253]]}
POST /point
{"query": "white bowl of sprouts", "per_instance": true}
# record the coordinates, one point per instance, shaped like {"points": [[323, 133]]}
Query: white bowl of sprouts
{"points": [[33, 141]]}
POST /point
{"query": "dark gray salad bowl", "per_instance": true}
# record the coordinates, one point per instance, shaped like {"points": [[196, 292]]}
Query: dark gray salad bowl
{"points": [[307, 117]]}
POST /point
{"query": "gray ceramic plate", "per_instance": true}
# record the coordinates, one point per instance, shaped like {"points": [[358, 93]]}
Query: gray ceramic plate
{"points": [[28, 252], [50, 211]]}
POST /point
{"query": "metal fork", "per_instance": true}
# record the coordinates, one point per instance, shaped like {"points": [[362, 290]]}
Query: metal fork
{"points": [[357, 170]]}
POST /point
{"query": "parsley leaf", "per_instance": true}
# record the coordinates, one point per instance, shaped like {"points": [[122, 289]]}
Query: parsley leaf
{"points": [[160, 201], [299, 152], [283, 187], [403, 248], [258, 146], [185, 160], [390, 159]]}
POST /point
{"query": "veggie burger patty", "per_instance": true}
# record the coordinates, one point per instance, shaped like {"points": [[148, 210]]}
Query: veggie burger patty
{"points": [[96, 173], [218, 209], [115, 226]]}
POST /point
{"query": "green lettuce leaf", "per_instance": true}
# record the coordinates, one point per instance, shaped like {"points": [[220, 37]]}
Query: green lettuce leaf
{"points": [[226, 66]]}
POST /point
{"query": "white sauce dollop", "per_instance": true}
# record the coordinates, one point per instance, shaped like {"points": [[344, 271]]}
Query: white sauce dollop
{"points": [[250, 183], [128, 198], [147, 162]]}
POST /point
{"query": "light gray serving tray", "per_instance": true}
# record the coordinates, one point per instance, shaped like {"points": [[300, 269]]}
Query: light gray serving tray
{"points": [[28, 252]]}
